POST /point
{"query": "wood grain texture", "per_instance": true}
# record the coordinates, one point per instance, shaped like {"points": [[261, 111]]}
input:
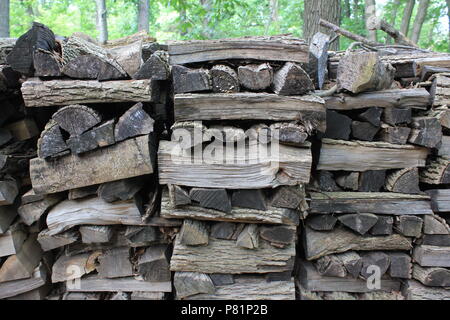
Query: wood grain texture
{"points": [[432, 256], [127, 159], [275, 48], [242, 169], [37, 93], [254, 106], [14, 288], [363, 156], [127, 284], [440, 200], [414, 290]]}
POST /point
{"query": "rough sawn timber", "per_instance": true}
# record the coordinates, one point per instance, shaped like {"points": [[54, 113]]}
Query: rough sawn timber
{"points": [[126, 159]]}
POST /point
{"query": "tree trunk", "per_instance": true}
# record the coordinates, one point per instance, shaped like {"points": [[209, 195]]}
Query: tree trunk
{"points": [[395, 7], [4, 18], [273, 15], [347, 8], [370, 13], [102, 25], [143, 15], [315, 10], [420, 18], [448, 15], [407, 17], [207, 31]]}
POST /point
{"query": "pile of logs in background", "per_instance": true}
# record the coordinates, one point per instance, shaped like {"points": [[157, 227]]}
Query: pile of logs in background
{"points": [[251, 168]]}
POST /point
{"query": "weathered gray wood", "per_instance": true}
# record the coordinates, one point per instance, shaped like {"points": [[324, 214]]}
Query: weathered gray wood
{"points": [[275, 48], [403, 181], [129, 56], [154, 264], [401, 266], [12, 240], [383, 227], [96, 234], [224, 230], [217, 199], [394, 115], [440, 240], [287, 197], [434, 224], [371, 202], [224, 79], [409, 226], [255, 77], [372, 115], [249, 237], [254, 106], [440, 199], [362, 156], [371, 180], [194, 233], [137, 236], [76, 119], [440, 90], [220, 279], [325, 181], [46, 64], [9, 190], [271, 215], [413, 290], [14, 288], [177, 166], [352, 262], [115, 263], [124, 189], [364, 131], [190, 80], [339, 240], [338, 126], [427, 132], [32, 212], [249, 198], [432, 277], [432, 256], [140, 295], [49, 242], [73, 267], [376, 258], [436, 171], [91, 211], [178, 195], [348, 180], [359, 222], [192, 283], [123, 160], [80, 193], [155, 68], [90, 67], [400, 98], [289, 133], [100, 136], [321, 222], [7, 216], [51, 141], [444, 149], [209, 259], [37, 93], [330, 266], [318, 58]]}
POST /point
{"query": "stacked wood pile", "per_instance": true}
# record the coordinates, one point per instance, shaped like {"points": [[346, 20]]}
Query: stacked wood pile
{"points": [[95, 192], [241, 200]]}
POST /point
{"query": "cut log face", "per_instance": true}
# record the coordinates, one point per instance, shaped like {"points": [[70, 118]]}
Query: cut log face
{"points": [[46, 64], [153, 265], [249, 237], [378, 259], [371, 180], [255, 77], [278, 236], [330, 266], [76, 119], [84, 67], [121, 190], [432, 277], [395, 135], [223, 230], [287, 197], [124, 160], [372, 115], [321, 222], [32, 212], [12, 240], [155, 68], [178, 196], [250, 198], [194, 233], [115, 263], [348, 181], [364, 130], [436, 172], [8, 192], [325, 181], [435, 225], [361, 222], [352, 262], [217, 199], [440, 90], [403, 181], [401, 265], [7, 216], [96, 234], [49, 242], [51, 141], [394, 116], [14, 288], [427, 132], [432, 256], [318, 58], [224, 79], [291, 79], [289, 133], [364, 72], [409, 226], [338, 126], [440, 200], [192, 283], [129, 57], [383, 227], [68, 267], [220, 279], [190, 80]]}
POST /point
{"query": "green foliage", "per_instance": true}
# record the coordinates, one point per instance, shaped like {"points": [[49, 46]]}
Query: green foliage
{"points": [[202, 19]]}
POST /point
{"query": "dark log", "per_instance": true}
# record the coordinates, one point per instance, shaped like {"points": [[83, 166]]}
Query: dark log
{"points": [[21, 56], [359, 222], [325, 181], [372, 180], [364, 131], [193, 233], [330, 266], [190, 80], [9, 190], [372, 115], [249, 198], [291, 79], [221, 279], [318, 58], [134, 122], [403, 181], [395, 135], [360, 72], [115, 263], [76, 119], [432, 277], [439, 240], [370, 259], [432, 256], [124, 189], [428, 71], [100, 136], [156, 67], [352, 262], [178, 196], [5, 136], [255, 77], [338, 126], [224, 79], [409, 226], [46, 64], [223, 230], [321, 222], [278, 236], [80, 193], [427, 132], [248, 238], [142, 236], [217, 199], [394, 116], [287, 197], [383, 227], [400, 265], [289, 133], [9, 77], [51, 141], [348, 181], [153, 265]]}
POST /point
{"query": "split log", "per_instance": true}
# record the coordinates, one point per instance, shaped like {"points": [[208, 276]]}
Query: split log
{"points": [[371, 180], [359, 222], [32, 212], [435, 225], [291, 79], [348, 181], [22, 264], [193, 233], [362, 156], [155, 68], [224, 230], [129, 57], [352, 262], [255, 77], [287, 197], [224, 79], [403, 181], [178, 196], [436, 172], [271, 215], [325, 181], [96, 234], [123, 160], [377, 259], [51, 142], [409, 226], [395, 98], [370, 202], [249, 237], [311, 280], [249, 198], [444, 149], [93, 211], [440, 200], [413, 290], [321, 222], [49, 242], [364, 131], [76, 119], [90, 67], [115, 263], [432, 256], [274, 48], [394, 135], [154, 264], [191, 283], [7, 216], [401, 266], [121, 190], [318, 58], [46, 64], [359, 72], [426, 131], [278, 236], [372, 115], [37, 93], [440, 95], [338, 126], [209, 259], [9, 190], [100, 136], [339, 240], [177, 166], [190, 80], [127, 284], [383, 227], [81, 193], [432, 277], [330, 266], [217, 199], [255, 106], [68, 267], [395, 115], [14, 288]]}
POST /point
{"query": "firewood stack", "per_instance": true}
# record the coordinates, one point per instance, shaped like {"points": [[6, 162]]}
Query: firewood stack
{"points": [[236, 165], [95, 191]]}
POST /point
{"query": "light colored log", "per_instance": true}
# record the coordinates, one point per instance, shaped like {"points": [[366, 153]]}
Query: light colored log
{"points": [[432, 277], [14, 288], [440, 200], [127, 284], [413, 290], [12, 240]]}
